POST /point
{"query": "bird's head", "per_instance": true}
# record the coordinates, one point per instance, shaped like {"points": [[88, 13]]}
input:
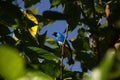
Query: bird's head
{"points": [[55, 34]]}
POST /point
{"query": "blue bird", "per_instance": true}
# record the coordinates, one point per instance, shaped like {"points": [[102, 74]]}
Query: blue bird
{"points": [[67, 50]]}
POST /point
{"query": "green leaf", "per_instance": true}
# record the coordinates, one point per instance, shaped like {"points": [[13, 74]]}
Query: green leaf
{"points": [[107, 63], [86, 76], [12, 64], [76, 75], [44, 54], [41, 38], [55, 2], [102, 72], [82, 44], [51, 41], [35, 75], [33, 10], [45, 21], [9, 13], [99, 9], [51, 68], [72, 12], [104, 25], [86, 59]]}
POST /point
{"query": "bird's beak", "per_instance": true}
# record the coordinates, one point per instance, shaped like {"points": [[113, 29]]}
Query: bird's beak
{"points": [[54, 34]]}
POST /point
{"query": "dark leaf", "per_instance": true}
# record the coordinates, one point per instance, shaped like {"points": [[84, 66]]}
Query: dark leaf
{"points": [[82, 44], [29, 3], [9, 13], [41, 38], [44, 53], [9, 40], [22, 34], [88, 61], [4, 30], [45, 21], [54, 15], [51, 68], [73, 75], [72, 12]]}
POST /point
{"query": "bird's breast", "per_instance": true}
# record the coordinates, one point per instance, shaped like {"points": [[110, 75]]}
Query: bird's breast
{"points": [[61, 43]]}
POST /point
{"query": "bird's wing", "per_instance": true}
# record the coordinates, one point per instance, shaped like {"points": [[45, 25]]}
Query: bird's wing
{"points": [[67, 45]]}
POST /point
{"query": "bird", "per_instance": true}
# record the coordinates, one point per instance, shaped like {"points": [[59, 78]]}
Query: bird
{"points": [[67, 49]]}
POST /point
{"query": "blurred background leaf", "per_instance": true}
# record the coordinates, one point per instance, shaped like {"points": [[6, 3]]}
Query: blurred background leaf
{"points": [[11, 57], [35, 75]]}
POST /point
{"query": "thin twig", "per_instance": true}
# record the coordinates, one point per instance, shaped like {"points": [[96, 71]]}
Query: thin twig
{"points": [[62, 54], [107, 11], [93, 8], [82, 11]]}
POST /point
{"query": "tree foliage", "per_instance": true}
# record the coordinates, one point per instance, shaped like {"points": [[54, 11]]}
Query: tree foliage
{"points": [[24, 55]]}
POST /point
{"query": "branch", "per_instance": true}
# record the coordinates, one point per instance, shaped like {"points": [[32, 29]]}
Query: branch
{"points": [[107, 11], [62, 54], [93, 9], [82, 11]]}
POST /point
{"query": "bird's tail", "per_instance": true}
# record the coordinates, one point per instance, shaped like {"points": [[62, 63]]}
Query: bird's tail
{"points": [[68, 53], [70, 61]]}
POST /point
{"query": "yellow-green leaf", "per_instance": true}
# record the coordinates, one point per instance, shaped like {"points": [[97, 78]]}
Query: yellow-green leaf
{"points": [[11, 63]]}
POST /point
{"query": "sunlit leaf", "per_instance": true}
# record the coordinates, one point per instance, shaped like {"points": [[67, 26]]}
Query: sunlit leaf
{"points": [[51, 41], [33, 10], [54, 2], [33, 30]]}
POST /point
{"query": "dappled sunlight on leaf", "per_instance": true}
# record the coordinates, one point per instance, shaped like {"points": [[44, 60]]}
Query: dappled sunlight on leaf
{"points": [[33, 30]]}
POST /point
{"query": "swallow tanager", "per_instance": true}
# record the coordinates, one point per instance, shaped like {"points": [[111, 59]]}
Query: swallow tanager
{"points": [[67, 50]]}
